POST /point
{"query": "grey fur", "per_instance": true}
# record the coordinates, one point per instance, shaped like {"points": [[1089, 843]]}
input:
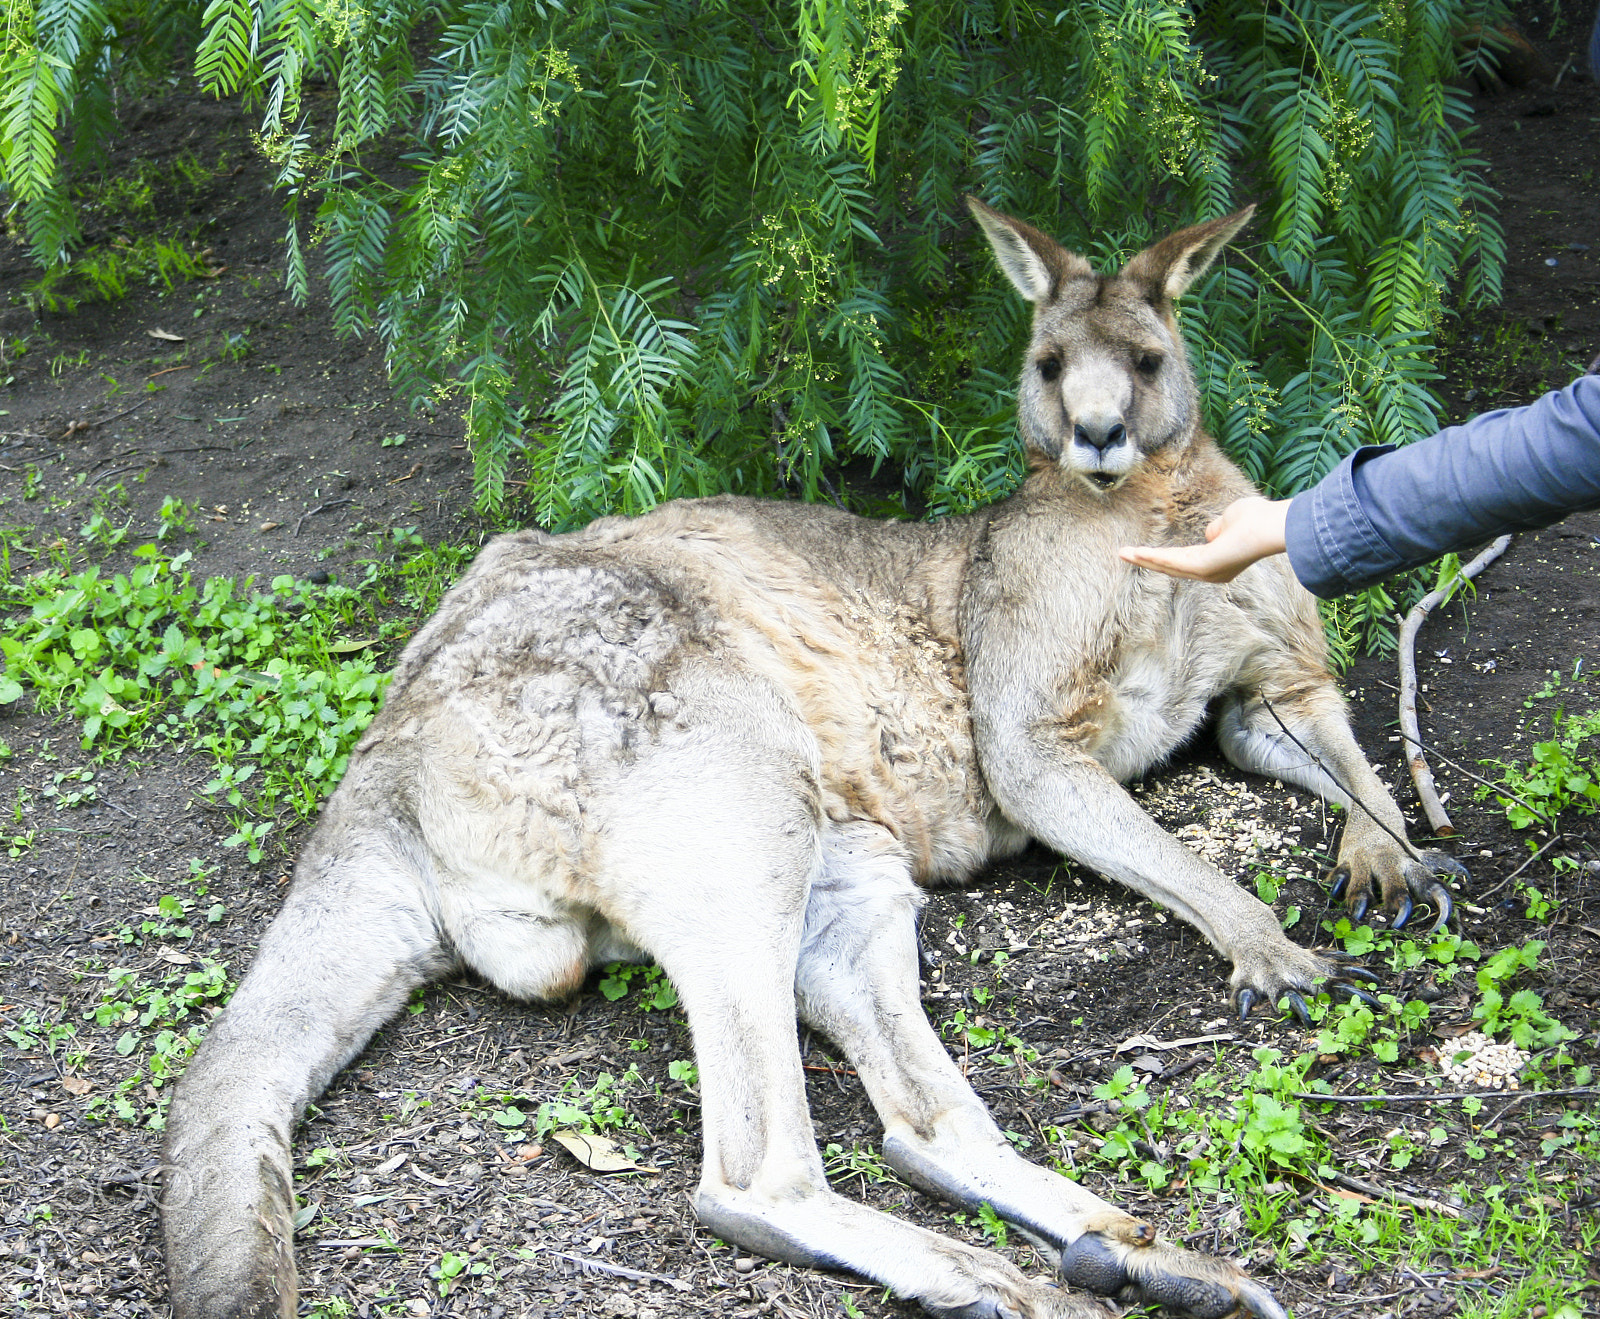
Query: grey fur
{"points": [[734, 736]]}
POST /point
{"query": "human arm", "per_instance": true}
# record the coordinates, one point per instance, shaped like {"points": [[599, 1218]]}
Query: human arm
{"points": [[1383, 510], [1248, 529]]}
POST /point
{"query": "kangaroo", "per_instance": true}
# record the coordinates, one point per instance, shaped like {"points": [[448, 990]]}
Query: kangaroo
{"points": [[737, 737]]}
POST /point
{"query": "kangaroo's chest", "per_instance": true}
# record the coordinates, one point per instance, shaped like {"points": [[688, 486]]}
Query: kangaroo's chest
{"points": [[885, 697], [1163, 673]]}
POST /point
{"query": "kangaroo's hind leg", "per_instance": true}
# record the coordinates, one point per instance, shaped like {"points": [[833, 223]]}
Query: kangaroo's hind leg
{"points": [[857, 983], [706, 861], [352, 941]]}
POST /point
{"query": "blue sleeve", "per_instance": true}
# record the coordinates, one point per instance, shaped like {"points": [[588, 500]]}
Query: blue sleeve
{"points": [[1384, 509]]}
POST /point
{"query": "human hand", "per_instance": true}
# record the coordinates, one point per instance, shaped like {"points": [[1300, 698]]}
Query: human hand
{"points": [[1248, 529]]}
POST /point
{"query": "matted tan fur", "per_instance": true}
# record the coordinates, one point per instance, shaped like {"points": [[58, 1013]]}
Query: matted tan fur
{"points": [[736, 736]]}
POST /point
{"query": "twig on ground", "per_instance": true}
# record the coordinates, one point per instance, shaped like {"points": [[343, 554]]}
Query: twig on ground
{"points": [[1554, 839], [1476, 778], [115, 457], [320, 508], [78, 426], [1389, 1193], [1416, 762], [615, 1270], [118, 471], [1576, 1092]]}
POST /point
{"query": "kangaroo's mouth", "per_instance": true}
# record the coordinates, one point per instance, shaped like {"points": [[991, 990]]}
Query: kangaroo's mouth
{"points": [[1104, 480]]}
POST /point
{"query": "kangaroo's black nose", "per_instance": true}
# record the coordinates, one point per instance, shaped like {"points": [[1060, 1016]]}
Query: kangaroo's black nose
{"points": [[1100, 437]]}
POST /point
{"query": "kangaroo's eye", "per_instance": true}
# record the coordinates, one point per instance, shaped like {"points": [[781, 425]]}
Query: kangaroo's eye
{"points": [[1049, 367], [1148, 364]]}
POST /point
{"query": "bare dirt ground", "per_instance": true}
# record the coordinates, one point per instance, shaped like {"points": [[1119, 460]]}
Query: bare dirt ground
{"points": [[275, 432]]}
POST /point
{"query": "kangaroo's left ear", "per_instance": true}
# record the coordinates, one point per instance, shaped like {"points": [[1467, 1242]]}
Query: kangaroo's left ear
{"points": [[1172, 265], [1035, 263]]}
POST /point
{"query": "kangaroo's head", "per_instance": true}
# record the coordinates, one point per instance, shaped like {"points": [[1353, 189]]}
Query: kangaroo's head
{"points": [[1106, 381]]}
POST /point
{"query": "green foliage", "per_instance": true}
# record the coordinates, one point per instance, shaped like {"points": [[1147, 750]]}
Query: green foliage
{"points": [[163, 1019], [660, 248], [1521, 1012], [105, 273], [1562, 772], [1240, 1141], [597, 1110], [655, 990], [267, 681]]}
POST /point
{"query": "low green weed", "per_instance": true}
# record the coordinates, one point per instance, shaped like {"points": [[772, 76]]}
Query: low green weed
{"points": [[1562, 772], [175, 516], [254, 677], [455, 1265], [655, 990], [1239, 1142], [1521, 1012], [600, 1109], [164, 1020], [104, 274], [34, 1034], [596, 1110], [860, 1163]]}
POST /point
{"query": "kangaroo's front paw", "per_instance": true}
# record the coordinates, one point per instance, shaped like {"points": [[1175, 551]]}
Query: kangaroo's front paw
{"points": [[1402, 881], [1200, 1286], [1285, 972]]}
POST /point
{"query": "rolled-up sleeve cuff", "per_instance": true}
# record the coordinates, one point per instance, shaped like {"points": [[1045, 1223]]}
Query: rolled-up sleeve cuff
{"points": [[1333, 546]]}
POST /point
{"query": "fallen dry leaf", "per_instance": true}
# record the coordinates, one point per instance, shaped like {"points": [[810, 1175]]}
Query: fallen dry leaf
{"points": [[164, 336], [597, 1152], [270, 526], [76, 1085]]}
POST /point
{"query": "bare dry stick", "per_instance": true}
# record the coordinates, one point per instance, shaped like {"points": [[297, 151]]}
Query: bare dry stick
{"points": [[1421, 775], [1441, 1097], [1389, 1193]]}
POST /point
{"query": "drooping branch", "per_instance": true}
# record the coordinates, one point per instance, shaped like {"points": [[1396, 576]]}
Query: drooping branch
{"points": [[1421, 774]]}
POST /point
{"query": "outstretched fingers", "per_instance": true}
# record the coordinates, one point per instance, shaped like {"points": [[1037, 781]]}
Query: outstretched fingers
{"points": [[1200, 1286]]}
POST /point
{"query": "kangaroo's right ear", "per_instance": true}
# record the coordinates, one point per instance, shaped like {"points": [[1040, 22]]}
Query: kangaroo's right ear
{"points": [[1034, 262]]}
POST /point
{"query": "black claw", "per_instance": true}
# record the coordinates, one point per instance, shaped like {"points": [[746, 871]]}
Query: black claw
{"points": [[1297, 1005], [1341, 878], [1440, 897], [1358, 912], [1403, 914], [1355, 992], [1360, 973], [1247, 1000], [1449, 866]]}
